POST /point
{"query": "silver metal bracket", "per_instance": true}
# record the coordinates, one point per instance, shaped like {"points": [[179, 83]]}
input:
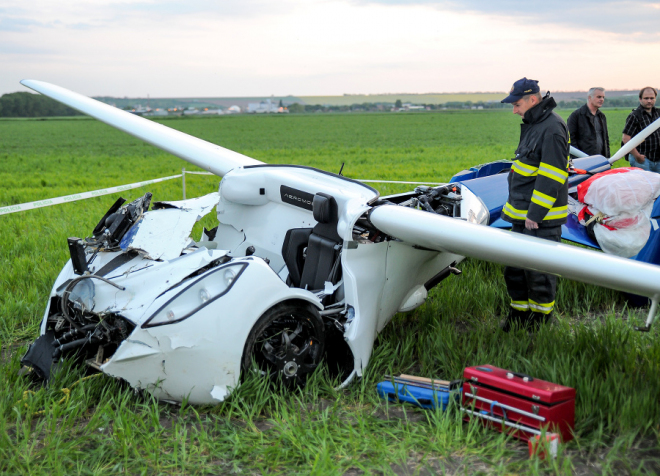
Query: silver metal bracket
{"points": [[650, 318]]}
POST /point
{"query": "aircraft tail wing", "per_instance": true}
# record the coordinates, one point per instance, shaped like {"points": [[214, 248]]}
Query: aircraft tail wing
{"points": [[487, 243], [201, 153]]}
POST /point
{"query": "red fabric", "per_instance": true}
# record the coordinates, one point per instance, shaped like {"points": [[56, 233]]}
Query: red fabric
{"points": [[618, 223], [584, 186], [582, 214]]}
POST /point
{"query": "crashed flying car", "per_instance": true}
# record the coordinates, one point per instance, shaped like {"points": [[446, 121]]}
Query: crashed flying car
{"points": [[305, 266]]}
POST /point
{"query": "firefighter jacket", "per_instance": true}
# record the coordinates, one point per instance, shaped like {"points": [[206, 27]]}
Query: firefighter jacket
{"points": [[538, 186]]}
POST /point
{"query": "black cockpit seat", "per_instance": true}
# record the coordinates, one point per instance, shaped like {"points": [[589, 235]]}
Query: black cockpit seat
{"points": [[320, 263]]}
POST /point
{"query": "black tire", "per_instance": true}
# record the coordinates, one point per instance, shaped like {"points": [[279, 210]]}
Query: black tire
{"points": [[287, 342]]}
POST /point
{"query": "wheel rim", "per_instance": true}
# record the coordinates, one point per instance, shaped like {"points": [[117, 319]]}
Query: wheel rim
{"points": [[288, 347]]}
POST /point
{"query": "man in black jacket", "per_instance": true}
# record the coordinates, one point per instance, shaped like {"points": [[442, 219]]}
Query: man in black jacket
{"points": [[538, 198], [588, 126]]}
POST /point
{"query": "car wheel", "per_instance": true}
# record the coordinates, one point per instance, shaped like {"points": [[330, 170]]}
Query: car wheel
{"points": [[287, 342]]}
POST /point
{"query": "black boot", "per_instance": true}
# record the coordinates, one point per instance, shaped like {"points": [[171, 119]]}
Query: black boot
{"points": [[515, 318], [537, 319]]}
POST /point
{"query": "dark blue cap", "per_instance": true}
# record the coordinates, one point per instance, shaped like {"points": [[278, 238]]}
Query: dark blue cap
{"points": [[521, 88]]}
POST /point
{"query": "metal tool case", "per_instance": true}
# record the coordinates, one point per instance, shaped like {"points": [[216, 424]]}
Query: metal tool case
{"points": [[423, 397], [517, 403]]}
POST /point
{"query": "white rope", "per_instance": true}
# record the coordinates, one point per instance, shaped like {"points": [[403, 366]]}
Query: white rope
{"points": [[49, 202]]}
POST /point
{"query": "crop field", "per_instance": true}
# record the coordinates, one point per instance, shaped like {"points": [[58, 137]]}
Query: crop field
{"points": [[100, 426]]}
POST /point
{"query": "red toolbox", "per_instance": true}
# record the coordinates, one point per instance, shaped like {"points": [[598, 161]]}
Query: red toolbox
{"points": [[517, 403]]}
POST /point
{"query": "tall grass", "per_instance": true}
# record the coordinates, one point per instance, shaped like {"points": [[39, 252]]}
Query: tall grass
{"points": [[104, 427]]}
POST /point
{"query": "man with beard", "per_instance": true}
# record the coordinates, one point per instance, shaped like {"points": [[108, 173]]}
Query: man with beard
{"points": [[647, 154]]}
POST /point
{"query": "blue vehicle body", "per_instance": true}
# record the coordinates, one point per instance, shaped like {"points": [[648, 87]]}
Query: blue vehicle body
{"points": [[489, 183]]}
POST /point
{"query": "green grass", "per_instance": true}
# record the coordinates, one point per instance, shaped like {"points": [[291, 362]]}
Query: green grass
{"points": [[103, 427]]}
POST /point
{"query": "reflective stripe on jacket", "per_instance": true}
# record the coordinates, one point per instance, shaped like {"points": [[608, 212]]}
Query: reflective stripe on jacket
{"points": [[538, 181]]}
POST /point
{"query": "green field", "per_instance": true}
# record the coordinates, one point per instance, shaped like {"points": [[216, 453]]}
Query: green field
{"points": [[103, 427]]}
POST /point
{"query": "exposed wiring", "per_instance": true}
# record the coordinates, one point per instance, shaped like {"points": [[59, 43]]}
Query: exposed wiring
{"points": [[69, 289]]}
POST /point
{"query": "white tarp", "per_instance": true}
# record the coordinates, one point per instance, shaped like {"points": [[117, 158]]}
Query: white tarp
{"points": [[623, 201]]}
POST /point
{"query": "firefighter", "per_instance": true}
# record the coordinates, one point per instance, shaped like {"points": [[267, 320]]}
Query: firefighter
{"points": [[538, 198]]}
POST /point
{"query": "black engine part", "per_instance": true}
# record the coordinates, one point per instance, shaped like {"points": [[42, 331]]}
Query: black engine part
{"points": [[118, 219], [39, 356]]}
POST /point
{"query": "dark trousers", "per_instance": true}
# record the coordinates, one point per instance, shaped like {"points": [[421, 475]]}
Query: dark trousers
{"points": [[531, 290]]}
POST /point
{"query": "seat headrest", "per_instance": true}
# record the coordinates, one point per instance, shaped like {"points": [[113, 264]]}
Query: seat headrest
{"points": [[324, 207]]}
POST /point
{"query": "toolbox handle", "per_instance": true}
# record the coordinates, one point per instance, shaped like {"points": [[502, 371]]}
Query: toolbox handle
{"points": [[527, 429], [510, 408], [525, 377], [494, 404]]}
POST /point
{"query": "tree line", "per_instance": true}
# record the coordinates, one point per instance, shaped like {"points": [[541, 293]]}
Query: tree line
{"points": [[620, 101], [23, 104]]}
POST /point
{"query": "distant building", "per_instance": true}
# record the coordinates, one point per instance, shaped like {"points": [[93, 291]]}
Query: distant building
{"points": [[157, 112], [408, 107], [140, 110], [267, 106], [233, 109], [190, 111]]}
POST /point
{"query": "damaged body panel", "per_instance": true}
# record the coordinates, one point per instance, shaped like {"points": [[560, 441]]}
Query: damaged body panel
{"points": [[199, 358]]}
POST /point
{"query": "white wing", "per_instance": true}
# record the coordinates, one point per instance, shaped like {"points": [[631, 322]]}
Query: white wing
{"points": [[578, 153], [206, 155], [449, 234]]}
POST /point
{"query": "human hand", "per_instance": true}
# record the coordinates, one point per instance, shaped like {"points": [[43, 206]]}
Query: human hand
{"points": [[531, 225]]}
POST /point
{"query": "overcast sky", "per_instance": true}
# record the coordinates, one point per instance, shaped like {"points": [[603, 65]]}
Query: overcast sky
{"points": [[168, 48]]}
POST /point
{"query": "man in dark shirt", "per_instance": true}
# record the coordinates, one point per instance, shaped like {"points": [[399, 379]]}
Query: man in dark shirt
{"points": [[647, 154], [588, 126]]}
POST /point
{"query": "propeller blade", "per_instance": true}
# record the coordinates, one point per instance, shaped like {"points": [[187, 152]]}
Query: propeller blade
{"points": [[635, 141], [577, 153], [206, 155], [490, 244]]}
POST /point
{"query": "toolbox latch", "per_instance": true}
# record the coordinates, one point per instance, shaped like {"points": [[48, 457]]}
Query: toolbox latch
{"points": [[474, 379], [535, 409], [536, 397]]}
